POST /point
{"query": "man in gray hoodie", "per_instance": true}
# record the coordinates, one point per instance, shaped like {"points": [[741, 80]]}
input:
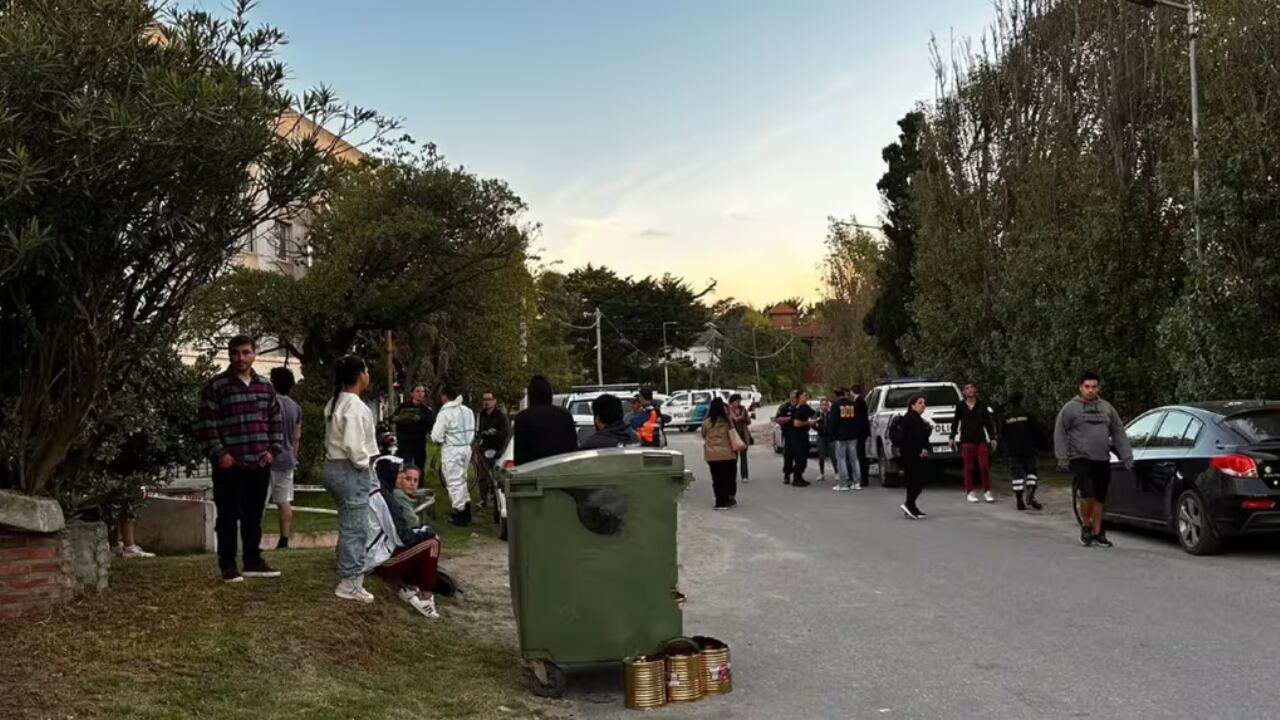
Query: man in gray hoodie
{"points": [[1087, 428]]}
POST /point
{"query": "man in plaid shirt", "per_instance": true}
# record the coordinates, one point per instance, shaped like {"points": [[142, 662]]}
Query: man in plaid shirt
{"points": [[241, 430]]}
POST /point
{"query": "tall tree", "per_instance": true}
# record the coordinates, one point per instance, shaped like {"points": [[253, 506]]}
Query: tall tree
{"points": [[846, 353], [137, 150], [408, 244], [890, 320]]}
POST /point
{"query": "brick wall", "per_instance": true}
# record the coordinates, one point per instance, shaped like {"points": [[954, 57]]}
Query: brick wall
{"points": [[31, 572]]}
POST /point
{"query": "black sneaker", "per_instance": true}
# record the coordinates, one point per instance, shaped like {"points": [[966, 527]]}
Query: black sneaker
{"points": [[231, 575], [1034, 504], [259, 569], [1102, 541], [920, 513], [786, 480], [1086, 537], [800, 483], [282, 543]]}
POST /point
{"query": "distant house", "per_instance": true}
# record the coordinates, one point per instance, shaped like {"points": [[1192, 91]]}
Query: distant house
{"points": [[703, 351], [785, 317]]}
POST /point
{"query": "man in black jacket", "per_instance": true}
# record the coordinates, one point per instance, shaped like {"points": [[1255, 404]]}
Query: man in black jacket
{"points": [[612, 430], [861, 431], [976, 426], [493, 430], [1021, 435], [542, 429]]}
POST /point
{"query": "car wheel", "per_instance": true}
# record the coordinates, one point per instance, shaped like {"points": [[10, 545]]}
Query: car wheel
{"points": [[1196, 531]]}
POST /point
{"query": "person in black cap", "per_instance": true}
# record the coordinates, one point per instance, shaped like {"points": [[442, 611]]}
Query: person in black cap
{"points": [[612, 430]]}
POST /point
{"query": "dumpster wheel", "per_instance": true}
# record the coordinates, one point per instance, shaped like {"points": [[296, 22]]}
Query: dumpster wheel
{"points": [[546, 679]]}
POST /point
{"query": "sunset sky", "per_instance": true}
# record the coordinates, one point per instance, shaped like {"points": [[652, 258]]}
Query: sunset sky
{"points": [[705, 138]]}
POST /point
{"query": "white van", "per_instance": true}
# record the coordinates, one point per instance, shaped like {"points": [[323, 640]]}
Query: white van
{"points": [[684, 406]]}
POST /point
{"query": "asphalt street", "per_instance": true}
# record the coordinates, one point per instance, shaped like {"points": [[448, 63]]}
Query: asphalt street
{"points": [[836, 606]]}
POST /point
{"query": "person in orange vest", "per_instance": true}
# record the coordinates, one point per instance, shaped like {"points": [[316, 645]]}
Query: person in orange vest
{"points": [[646, 420]]}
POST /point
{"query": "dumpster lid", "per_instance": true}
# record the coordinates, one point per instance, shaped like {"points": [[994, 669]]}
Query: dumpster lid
{"points": [[609, 461]]}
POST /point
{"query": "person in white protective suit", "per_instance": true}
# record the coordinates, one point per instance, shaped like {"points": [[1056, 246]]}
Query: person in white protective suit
{"points": [[454, 432]]}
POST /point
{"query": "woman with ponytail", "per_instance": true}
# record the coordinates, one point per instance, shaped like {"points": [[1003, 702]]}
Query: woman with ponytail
{"points": [[350, 446]]}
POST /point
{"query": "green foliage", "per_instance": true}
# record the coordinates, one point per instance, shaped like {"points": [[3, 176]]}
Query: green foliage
{"points": [[136, 151], [410, 244], [847, 354], [144, 433], [890, 319], [749, 342], [635, 311], [1056, 214], [551, 349]]}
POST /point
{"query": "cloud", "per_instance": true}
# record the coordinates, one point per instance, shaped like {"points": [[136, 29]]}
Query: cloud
{"points": [[738, 211], [653, 233]]}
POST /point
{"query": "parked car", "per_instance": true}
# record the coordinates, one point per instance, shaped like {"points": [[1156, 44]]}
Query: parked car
{"points": [[813, 433], [688, 408], [889, 399], [1202, 471]]}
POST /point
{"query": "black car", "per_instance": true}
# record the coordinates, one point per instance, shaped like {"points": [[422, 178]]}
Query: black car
{"points": [[1203, 471]]}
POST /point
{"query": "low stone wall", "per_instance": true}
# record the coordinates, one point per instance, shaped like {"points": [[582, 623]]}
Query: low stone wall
{"points": [[174, 526]]}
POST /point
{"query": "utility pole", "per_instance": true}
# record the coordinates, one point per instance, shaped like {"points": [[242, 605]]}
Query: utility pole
{"points": [[755, 355], [666, 358], [599, 349], [391, 372]]}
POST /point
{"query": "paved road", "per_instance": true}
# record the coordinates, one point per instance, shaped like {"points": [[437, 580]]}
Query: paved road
{"points": [[835, 606]]}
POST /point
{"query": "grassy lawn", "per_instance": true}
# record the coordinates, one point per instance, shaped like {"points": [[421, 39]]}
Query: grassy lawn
{"points": [[169, 640]]}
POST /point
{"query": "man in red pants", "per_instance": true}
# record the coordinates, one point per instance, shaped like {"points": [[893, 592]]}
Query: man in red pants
{"points": [[975, 424]]}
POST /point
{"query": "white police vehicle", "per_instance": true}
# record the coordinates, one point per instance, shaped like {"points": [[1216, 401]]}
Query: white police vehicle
{"points": [[888, 401]]}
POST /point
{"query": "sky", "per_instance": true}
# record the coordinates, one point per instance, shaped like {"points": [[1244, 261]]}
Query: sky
{"points": [[710, 139]]}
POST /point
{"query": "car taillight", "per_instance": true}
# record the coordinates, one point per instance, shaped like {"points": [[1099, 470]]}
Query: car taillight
{"points": [[1258, 504], [1236, 465], [508, 464]]}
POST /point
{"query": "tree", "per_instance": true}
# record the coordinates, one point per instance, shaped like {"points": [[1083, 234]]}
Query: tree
{"points": [[634, 312], [847, 353], [407, 243], [890, 320], [551, 340], [751, 351], [137, 150]]}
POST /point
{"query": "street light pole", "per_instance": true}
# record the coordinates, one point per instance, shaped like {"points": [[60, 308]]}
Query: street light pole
{"points": [[666, 358], [599, 349], [1193, 32]]}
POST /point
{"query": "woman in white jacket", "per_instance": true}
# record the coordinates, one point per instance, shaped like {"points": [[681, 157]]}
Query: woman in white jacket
{"points": [[350, 445]]}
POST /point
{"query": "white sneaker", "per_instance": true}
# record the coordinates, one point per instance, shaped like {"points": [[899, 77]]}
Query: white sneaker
{"points": [[972, 497], [822, 477], [746, 480], [353, 589], [426, 606], [406, 592], [856, 486], [906, 511], [987, 496], [133, 551], [840, 487]]}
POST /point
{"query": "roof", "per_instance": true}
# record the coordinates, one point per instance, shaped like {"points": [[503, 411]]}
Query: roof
{"points": [[808, 331], [1230, 407], [782, 309]]}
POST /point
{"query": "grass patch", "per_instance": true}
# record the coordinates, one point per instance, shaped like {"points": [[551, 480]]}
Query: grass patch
{"points": [[169, 640]]}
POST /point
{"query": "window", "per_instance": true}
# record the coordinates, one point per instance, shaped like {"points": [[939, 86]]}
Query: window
{"points": [[580, 407], [1193, 432], [680, 398], [253, 240], [1257, 426], [283, 238], [1141, 430], [899, 397], [1171, 431], [701, 398], [873, 399]]}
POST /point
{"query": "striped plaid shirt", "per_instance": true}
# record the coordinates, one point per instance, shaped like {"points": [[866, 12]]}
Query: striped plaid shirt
{"points": [[240, 419]]}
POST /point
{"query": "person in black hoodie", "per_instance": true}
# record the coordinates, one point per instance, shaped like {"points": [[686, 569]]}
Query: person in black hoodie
{"points": [[612, 430], [862, 431], [916, 465], [542, 429], [1021, 434]]}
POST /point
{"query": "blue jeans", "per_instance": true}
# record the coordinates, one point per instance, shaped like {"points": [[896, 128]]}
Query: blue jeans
{"points": [[350, 487], [847, 466]]}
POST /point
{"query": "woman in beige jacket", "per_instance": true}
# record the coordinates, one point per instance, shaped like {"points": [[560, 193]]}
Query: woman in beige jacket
{"points": [[720, 454]]}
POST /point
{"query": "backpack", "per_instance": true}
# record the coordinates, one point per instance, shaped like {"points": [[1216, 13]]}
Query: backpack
{"points": [[897, 430]]}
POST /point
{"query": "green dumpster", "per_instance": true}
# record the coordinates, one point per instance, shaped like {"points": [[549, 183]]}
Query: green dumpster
{"points": [[592, 542]]}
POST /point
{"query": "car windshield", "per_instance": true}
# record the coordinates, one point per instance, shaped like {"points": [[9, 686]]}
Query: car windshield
{"points": [[898, 397], [580, 407], [1258, 426]]}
